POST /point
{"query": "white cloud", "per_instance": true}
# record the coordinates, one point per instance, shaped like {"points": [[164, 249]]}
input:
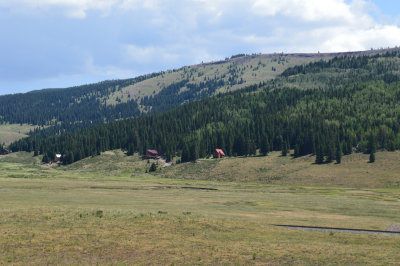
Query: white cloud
{"points": [[139, 4], [154, 35], [150, 54], [342, 39], [308, 10], [72, 8], [325, 25]]}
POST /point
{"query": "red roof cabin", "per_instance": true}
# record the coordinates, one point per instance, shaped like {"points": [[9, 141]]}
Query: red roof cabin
{"points": [[151, 154], [218, 153]]}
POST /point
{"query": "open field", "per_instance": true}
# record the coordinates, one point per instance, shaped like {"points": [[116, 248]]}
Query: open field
{"points": [[13, 132], [354, 171], [89, 213]]}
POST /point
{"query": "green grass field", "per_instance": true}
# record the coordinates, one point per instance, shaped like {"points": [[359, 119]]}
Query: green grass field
{"points": [[13, 132], [108, 210]]}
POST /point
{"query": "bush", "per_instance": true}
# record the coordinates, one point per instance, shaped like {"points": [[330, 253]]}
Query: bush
{"points": [[153, 167]]}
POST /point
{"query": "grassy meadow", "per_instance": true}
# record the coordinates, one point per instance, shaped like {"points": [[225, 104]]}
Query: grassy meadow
{"points": [[252, 69], [108, 210], [12, 132]]}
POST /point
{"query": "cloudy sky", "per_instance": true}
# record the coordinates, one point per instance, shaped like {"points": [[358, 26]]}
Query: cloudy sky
{"points": [[61, 43]]}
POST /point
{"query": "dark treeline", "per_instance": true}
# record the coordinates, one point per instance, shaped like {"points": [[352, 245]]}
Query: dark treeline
{"points": [[362, 116], [376, 64], [172, 96], [80, 104]]}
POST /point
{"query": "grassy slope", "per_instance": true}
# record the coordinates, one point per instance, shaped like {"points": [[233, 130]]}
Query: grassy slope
{"points": [[253, 70], [48, 215], [13, 132], [354, 171]]}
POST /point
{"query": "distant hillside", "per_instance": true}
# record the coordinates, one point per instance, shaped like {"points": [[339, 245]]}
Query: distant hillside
{"points": [[110, 100], [83, 106], [326, 108], [88, 105]]}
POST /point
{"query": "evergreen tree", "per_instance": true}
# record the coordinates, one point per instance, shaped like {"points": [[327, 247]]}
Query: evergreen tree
{"points": [[297, 150], [194, 152], [371, 148], [229, 144], [338, 156], [252, 148], [185, 154], [284, 148], [319, 155], [168, 155], [131, 149], [371, 144], [69, 157], [153, 167], [330, 153], [372, 157], [45, 158], [264, 148]]}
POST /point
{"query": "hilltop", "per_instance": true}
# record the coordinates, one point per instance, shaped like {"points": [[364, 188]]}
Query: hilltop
{"points": [[87, 105], [327, 108]]}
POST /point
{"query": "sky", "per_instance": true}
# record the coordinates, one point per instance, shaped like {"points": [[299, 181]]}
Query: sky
{"points": [[63, 43]]}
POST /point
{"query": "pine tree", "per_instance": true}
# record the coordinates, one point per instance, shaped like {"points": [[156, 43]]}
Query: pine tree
{"points": [[153, 167], [229, 144], [131, 149], [45, 158], [284, 148], [297, 150], [371, 143], [69, 158], [372, 157], [372, 148], [330, 153], [252, 148], [264, 147], [338, 156], [185, 154], [194, 152], [319, 155]]}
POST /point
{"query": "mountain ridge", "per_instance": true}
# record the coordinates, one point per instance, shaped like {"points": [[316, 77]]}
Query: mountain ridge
{"points": [[325, 108], [79, 107]]}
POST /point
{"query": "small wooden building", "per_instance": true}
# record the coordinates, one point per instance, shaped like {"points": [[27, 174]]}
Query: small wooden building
{"points": [[58, 157], [4, 152], [151, 154], [218, 153]]}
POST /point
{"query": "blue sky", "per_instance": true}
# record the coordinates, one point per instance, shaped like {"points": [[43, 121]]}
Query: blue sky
{"points": [[61, 43]]}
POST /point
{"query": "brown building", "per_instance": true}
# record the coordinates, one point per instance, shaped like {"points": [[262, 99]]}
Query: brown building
{"points": [[4, 151], [58, 157], [218, 153], [151, 154]]}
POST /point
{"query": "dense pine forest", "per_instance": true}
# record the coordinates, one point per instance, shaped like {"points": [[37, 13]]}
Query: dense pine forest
{"points": [[71, 109], [81, 103], [350, 105]]}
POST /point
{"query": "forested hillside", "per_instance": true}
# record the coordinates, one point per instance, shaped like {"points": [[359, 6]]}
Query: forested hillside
{"points": [[330, 108], [85, 106], [71, 109], [78, 104]]}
